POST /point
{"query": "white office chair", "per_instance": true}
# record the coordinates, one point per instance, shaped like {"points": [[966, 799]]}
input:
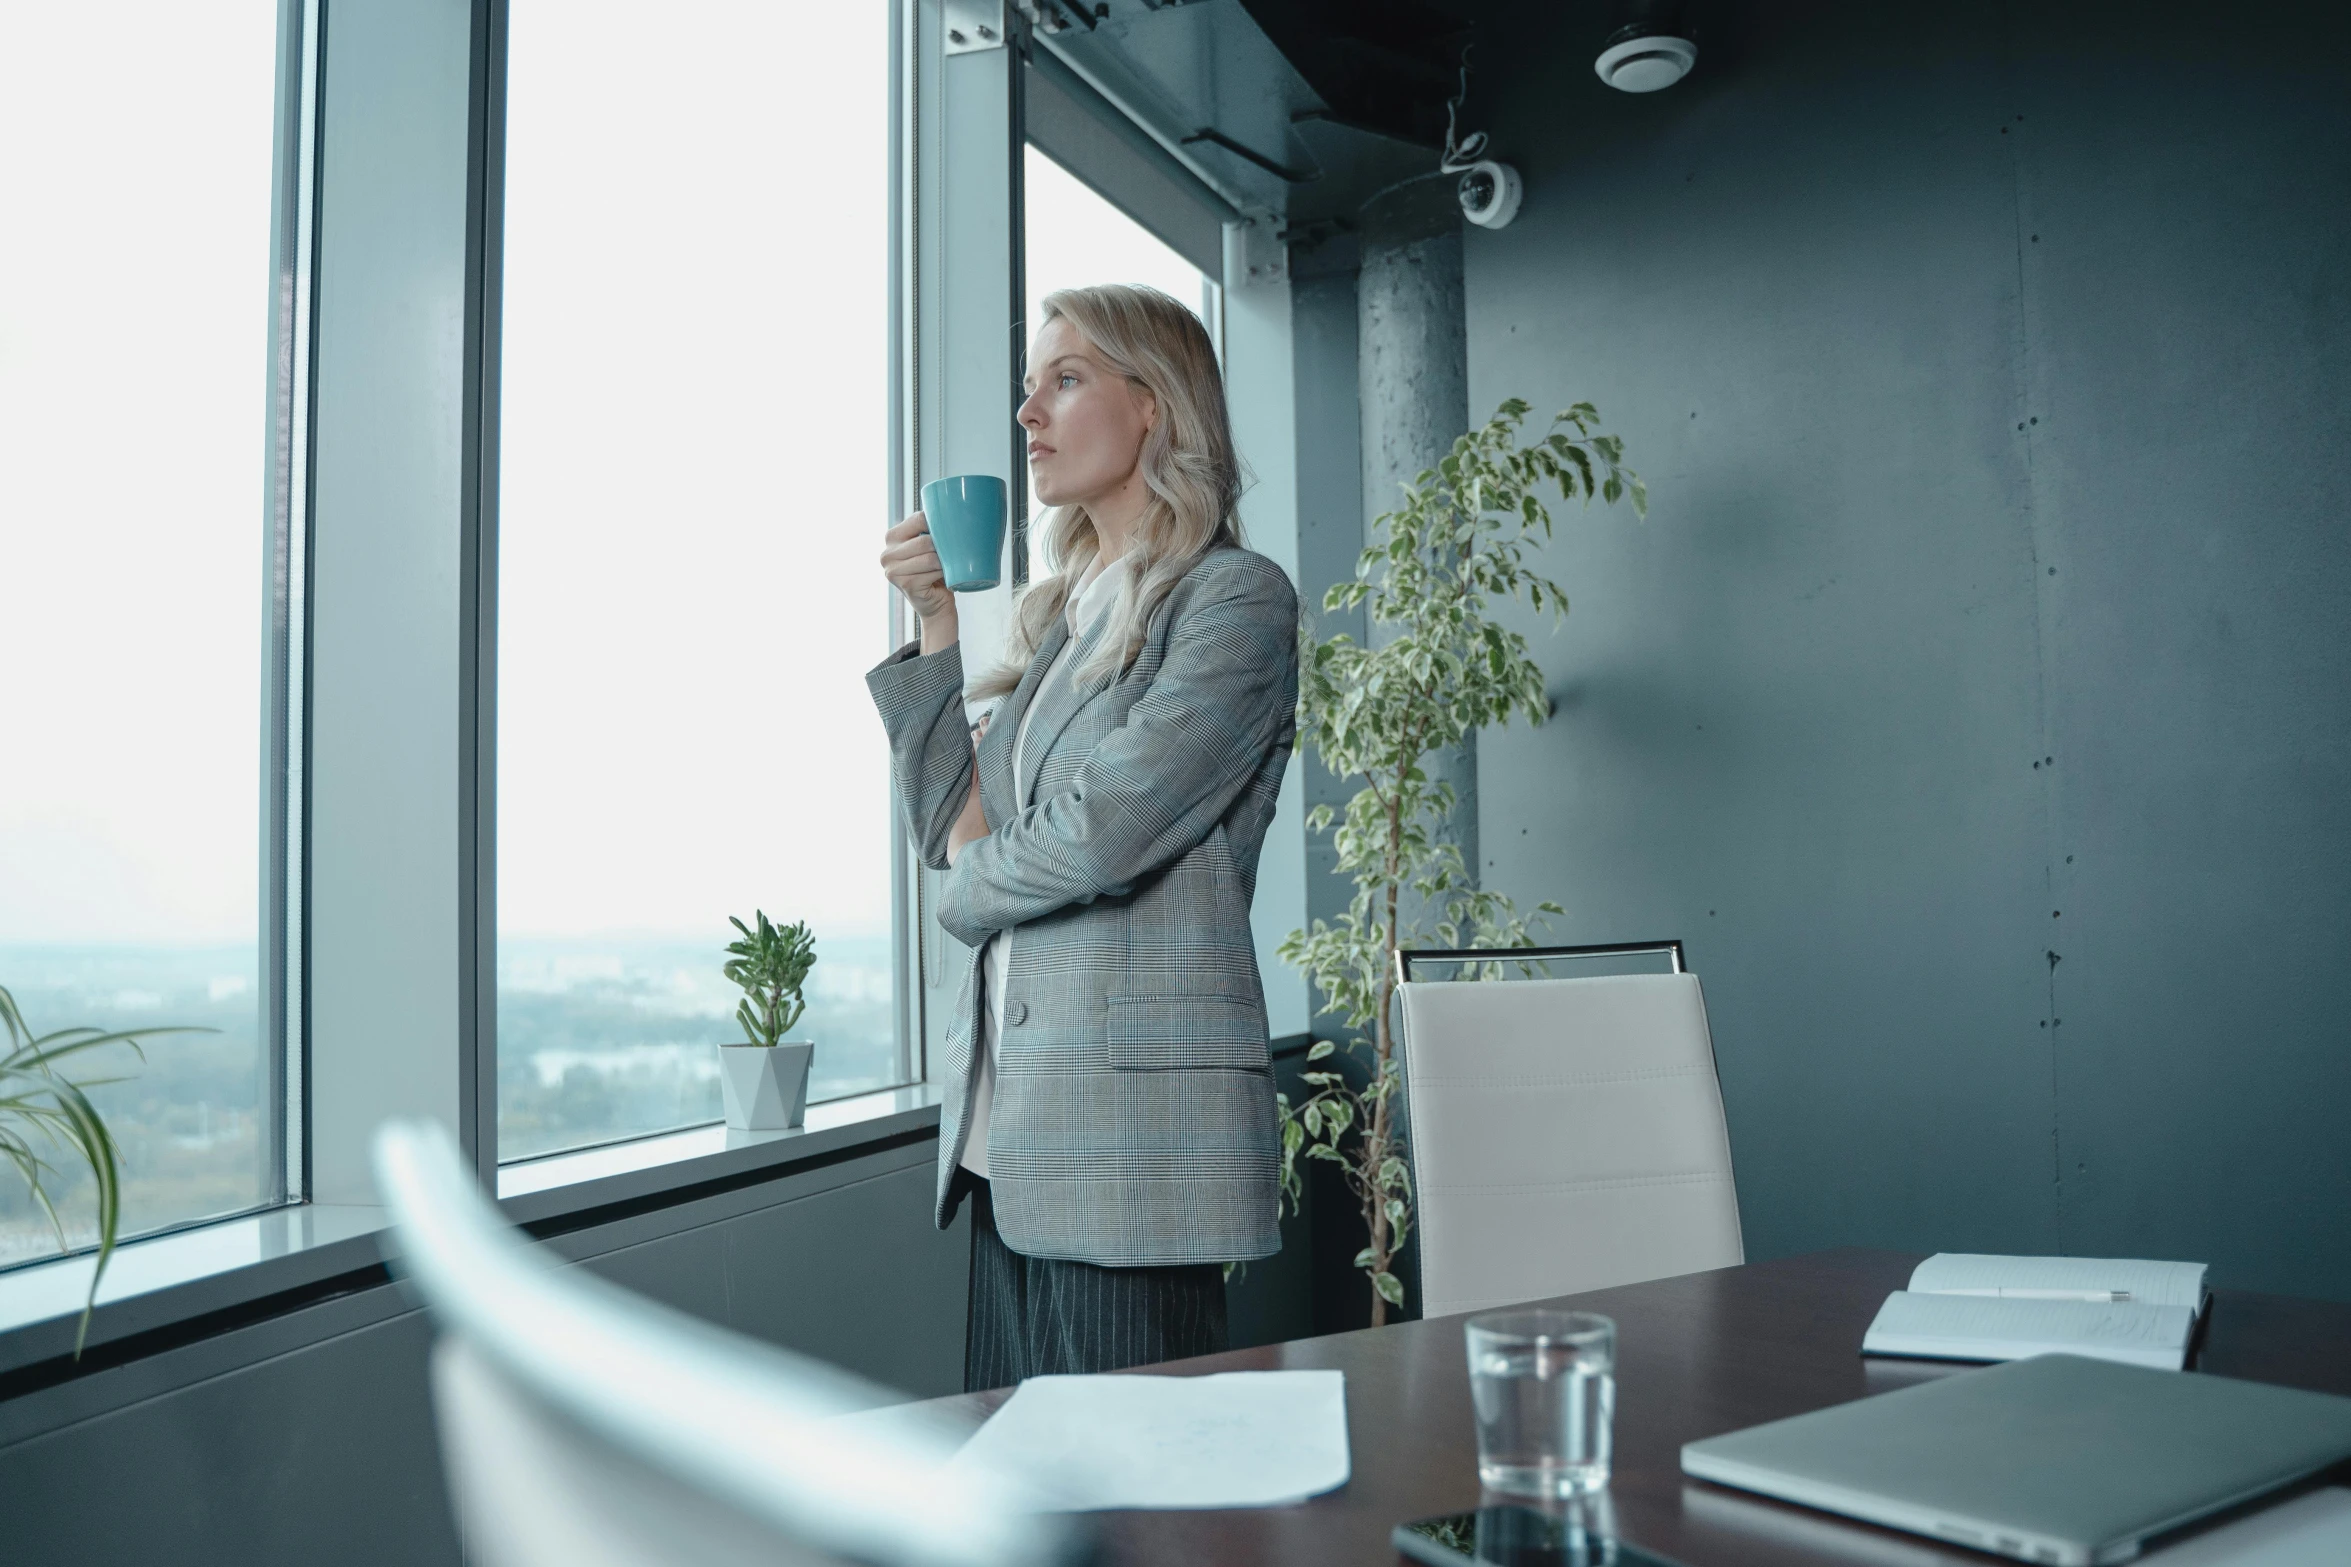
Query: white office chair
{"points": [[1566, 1134], [583, 1426]]}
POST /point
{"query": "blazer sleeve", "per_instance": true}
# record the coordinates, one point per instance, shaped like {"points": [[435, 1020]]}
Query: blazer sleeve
{"points": [[1155, 787], [920, 696]]}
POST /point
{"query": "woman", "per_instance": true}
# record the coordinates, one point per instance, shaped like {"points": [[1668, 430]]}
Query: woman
{"points": [[1109, 1103]]}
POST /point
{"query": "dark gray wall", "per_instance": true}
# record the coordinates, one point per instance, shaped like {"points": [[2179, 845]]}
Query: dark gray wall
{"points": [[1974, 700], [308, 1437]]}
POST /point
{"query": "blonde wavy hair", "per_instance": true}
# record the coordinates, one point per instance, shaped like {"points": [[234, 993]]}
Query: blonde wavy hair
{"points": [[1187, 461]]}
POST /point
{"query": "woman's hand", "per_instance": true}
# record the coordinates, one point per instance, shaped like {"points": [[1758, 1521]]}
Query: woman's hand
{"points": [[911, 562]]}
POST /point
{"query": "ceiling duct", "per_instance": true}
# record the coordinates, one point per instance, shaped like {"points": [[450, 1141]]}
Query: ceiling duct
{"points": [[1651, 47], [1385, 66]]}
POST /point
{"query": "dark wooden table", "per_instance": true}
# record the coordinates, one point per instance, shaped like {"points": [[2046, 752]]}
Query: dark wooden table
{"points": [[1696, 1356]]}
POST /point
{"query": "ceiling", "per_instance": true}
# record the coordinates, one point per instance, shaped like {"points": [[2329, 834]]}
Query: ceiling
{"points": [[1299, 108]]}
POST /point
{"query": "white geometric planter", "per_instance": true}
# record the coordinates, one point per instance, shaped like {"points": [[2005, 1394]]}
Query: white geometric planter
{"points": [[766, 1087]]}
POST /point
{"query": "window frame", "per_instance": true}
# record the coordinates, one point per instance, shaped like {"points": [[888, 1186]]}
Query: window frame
{"points": [[280, 1112], [380, 660], [904, 113], [286, 649]]}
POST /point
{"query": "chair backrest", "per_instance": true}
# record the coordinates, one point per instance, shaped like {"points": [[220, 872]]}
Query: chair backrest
{"points": [[1566, 1135], [585, 1426]]}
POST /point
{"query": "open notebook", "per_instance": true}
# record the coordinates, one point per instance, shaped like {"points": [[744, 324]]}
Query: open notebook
{"points": [[1961, 1306]]}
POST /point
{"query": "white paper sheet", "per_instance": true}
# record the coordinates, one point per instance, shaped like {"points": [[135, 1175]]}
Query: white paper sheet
{"points": [[2148, 1283], [1971, 1327], [1236, 1439]]}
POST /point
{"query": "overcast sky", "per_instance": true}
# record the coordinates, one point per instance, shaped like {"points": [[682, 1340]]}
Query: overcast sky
{"points": [[134, 291], [694, 468]]}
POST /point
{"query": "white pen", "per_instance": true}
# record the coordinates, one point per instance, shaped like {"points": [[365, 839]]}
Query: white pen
{"points": [[2102, 1297]]}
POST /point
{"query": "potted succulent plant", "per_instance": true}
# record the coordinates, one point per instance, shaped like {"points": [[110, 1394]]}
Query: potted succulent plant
{"points": [[765, 1080]]}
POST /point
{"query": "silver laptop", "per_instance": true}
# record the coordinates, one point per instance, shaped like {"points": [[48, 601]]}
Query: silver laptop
{"points": [[2054, 1459]]}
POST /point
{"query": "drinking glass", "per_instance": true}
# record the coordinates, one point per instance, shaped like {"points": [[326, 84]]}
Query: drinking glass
{"points": [[1544, 1386]]}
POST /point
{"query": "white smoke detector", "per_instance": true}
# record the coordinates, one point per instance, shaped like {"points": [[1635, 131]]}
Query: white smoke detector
{"points": [[1646, 64]]}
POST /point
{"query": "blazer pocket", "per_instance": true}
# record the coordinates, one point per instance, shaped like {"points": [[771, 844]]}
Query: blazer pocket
{"points": [[1179, 1033], [958, 1051]]}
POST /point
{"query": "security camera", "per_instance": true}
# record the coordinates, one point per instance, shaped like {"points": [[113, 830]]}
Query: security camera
{"points": [[1490, 193]]}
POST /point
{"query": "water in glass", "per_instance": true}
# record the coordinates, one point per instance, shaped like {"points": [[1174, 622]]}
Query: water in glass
{"points": [[1544, 1386]]}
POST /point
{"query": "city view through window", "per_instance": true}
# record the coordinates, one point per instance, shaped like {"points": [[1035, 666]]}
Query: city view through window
{"points": [[694, 485], [693, 488], [134, 336]]}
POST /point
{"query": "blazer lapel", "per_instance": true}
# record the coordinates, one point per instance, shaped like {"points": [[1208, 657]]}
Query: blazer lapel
{"points": [[995, 751], [1061, 704]]}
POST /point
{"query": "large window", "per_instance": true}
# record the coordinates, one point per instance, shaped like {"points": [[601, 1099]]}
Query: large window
{"points": [[1073, 236], [693, 491], [134, 316]]}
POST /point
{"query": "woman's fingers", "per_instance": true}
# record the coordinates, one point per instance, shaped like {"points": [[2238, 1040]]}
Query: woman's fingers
{"points": [[919, 547], [909, 546], [911, 562]]}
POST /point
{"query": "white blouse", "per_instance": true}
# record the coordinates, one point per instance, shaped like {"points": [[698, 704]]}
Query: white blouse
{"points": [[1096, 592]]}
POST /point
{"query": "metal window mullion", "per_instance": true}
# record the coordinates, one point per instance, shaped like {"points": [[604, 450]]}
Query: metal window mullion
{"points": [[905, 416], [1016, 146], [386, 786], [282, 1112], [477, 1055]]}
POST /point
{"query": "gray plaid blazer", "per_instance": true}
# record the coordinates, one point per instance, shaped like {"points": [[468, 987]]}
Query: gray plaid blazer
{"points": [[1133, 1120]]}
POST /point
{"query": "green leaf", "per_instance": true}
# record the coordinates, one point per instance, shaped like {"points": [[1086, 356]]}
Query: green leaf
{"points": [[35, 1093], [1439, 576], [1319, 1049], [1390, 1289], [771, 963]]}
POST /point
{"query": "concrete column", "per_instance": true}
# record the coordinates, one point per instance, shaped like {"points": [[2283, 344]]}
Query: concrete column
{"points": [[1413, 386], [1330, 501]]}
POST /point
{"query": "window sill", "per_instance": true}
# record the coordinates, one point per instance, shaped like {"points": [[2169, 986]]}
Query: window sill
{"points": [[166, 1287], [157, 1283], [561, 1186]]}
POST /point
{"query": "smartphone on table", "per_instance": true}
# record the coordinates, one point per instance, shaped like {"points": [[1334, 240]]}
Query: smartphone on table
{"points": [[1508, 1535]]}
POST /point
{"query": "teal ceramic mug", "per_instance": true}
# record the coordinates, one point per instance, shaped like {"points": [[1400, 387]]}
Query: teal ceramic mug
{"points": [[966, 518]]}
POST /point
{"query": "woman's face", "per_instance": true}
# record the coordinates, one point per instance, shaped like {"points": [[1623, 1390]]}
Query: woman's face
{"points": [[1086, 422]]}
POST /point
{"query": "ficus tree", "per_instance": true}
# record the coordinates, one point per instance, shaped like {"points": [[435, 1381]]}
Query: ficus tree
{"points": [[1437, 668]]}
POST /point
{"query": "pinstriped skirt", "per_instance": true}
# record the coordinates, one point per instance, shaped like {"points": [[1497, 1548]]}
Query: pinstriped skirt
{"points": [[1045, 1316]]}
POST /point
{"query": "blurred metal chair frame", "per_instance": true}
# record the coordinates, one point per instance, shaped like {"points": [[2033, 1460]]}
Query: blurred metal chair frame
{"points": [[586, 1426], [1566, 1134]]}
